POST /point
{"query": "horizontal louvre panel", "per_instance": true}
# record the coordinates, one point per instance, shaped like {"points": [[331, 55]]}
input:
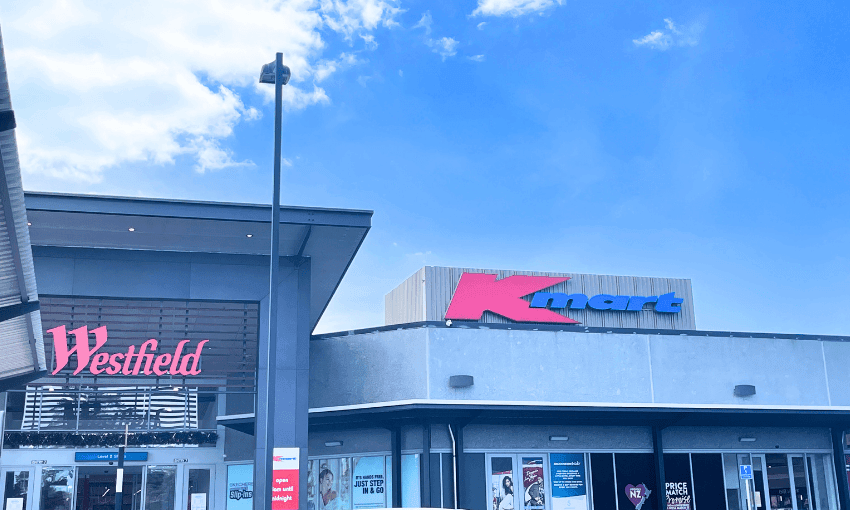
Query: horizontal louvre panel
{"points": [[110, 409], [228, 360]]}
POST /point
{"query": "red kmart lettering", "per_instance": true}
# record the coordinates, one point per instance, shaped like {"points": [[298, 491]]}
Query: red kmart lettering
{"points": [[146, 362]]}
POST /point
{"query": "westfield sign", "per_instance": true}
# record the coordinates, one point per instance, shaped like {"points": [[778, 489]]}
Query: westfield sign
{"points": [[477, 293], [129, 363]]}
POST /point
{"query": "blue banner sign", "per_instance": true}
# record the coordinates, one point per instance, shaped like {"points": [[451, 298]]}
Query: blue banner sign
{"points": [[569, 490], [109, 456]]}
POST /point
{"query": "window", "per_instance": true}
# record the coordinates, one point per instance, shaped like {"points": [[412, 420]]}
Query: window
{"points": [[360, 483]]}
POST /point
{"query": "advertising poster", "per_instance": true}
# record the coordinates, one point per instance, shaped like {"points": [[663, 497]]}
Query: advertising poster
{"points": [[533, 483], [240, 487], [285, 479], [502, 481], [369, 483], [569, 489], [334, 484], [678, 496]]}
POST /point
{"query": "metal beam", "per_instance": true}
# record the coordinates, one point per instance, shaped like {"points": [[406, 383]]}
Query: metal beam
{"points": [[838, 440], [12, 311]]}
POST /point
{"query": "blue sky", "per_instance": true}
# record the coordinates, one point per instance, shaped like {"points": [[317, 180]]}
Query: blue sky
{"points": [[706, 141]]}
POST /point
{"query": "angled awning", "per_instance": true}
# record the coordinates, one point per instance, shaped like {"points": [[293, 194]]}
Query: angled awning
{"points": [[20, 321]]}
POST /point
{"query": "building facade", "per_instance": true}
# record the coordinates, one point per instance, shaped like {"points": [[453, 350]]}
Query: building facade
{"points": [[484, 390], [508, 390], [154, 315]]}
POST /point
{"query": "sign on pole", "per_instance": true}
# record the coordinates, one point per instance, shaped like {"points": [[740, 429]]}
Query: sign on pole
{"points": [[285, 479], [746, 472]]}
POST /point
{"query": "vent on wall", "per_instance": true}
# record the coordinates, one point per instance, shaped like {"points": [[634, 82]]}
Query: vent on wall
{"points": [[461, 381], [744, 390]]}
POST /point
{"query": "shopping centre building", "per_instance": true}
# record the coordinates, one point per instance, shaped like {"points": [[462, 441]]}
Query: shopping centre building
{"points": [[484, 390]]}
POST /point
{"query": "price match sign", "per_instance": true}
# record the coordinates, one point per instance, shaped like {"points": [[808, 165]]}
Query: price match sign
{"points": [[285, 479]]}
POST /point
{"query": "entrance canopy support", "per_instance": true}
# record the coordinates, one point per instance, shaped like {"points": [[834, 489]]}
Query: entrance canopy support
{"points": [[838, 441]]}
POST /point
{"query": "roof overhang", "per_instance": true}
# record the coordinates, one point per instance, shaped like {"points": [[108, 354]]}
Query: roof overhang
{"points": [[329, 237], [576, 413], [20, 320]]}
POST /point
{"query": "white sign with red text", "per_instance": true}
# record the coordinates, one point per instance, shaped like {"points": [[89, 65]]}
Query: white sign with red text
{"points": [[285, 478]]}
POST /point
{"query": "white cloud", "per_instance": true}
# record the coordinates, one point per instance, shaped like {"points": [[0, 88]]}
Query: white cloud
{"points": [[481, 25], [325, 68], [352, 16], [476, 58], [150, 82], [445, 47], [369, 41], [425, 22], [672, 35], [513, 7], [401, 73]]}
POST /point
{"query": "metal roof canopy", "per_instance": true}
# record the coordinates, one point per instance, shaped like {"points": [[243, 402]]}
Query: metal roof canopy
{"points": [[330, 237], [20, 330], [517, 414]]}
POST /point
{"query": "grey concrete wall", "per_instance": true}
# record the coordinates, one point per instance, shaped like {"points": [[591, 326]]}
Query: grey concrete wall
{"points": [[368, 368], [568, 366]]}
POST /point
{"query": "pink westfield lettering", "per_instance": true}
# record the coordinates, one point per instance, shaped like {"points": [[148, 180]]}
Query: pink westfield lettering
{"points": [[101, 362], [477, 293]]}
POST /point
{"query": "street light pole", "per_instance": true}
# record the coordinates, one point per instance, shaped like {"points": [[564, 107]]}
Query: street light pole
{"points": [[278, 74]]}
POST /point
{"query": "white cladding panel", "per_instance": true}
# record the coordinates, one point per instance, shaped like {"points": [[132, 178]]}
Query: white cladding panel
{"points": [[405, 303]]}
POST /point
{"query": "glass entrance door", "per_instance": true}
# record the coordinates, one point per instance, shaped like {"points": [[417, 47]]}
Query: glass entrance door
{"points": [[518, 481], [788, 481], [198, 487], [17, 484], [96, 488]]}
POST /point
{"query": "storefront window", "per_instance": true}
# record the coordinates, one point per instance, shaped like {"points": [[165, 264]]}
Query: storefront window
{"points": [[359, 483], [410, 489], [821, 481], [677, 477], [502, 483], [333, 491], [602, 480], [707, 469], [370, 488], [240, 487], [57, 485], [160, 488], [568, 485], [635, 474], [17, 488], [533, 483], [198, 490]]}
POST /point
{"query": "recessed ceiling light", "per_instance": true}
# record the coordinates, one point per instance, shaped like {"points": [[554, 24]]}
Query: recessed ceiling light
{"points": [[249, 235], [131, 229]]}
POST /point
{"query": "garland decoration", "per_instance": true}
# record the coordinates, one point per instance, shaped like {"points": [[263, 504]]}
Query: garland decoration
{"points": [[106, 439]]}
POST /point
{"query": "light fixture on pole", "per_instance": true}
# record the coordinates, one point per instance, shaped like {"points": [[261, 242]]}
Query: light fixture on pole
{"points": [[278, 74]]}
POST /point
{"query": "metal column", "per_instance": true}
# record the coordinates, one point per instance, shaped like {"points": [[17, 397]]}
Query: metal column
{"points": [[425, 467], [838, 440], [660, 480]]}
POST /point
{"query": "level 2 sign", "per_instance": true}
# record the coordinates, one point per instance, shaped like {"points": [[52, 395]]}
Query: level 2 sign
{"points": [[285, 478], [746, 472]]}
